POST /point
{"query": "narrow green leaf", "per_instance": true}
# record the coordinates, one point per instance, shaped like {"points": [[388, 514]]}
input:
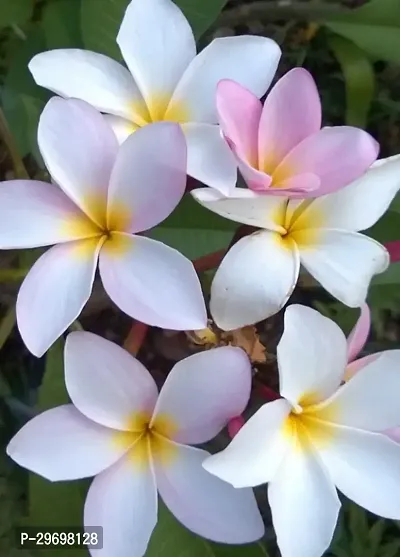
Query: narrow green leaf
{"points": [[7, 325], [359, 80], [201, 13], [171, 539], [374, 27], [61, 24], [53, 391], [15, 12], [100, 21]]}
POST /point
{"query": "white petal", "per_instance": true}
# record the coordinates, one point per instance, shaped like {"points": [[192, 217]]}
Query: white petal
{"points": [[359, 205], [245, 206], [34, 214], [157, 44], [256, 452], [312, 356], [359, 334], [92, 77], [122, 127], [85, 449], [254, 280], [249, 60], [370, 399], [344, 263], [55, 291], [148, 179], [365, 467], [123, 500], [106, 383], [209, 158], [204, 504], [304, 505], [205, 390], [152, 283], [79, 150]]}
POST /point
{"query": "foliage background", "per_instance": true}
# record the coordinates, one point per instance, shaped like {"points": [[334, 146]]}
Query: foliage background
{"points": [[353, 50]]}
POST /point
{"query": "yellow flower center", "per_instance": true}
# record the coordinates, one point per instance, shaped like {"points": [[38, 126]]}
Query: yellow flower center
{"points": [[301, 225], [146, 438], [159, 108]]}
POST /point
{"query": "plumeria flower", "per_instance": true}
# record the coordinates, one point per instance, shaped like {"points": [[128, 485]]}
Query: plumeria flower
{"points": [[318, 436], [259, 273], [106, 196], [165, 80], [281, 148], [136, 443]]}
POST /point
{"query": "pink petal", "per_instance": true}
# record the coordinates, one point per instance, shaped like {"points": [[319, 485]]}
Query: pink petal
{"points": [[292, 112], [123, 500], [394, 433], [55, 291], [356, 365], [105, 382], [204, 391], [359, 335], [148, 179], [34, 214], [337, 155], [235, 425], [62, 444], [239, 113], [152, 283]]}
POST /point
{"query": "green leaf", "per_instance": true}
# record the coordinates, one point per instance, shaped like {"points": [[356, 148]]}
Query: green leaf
{"points": [[100, 21], [7, 325], [194, 231], [375, 28], [201, 13], [359, 80], [55, 504], [15, 12], [61, 24], [171, 539]]}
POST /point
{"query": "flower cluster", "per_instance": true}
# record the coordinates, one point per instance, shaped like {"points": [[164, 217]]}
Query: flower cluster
{"points": [[118, 143]]}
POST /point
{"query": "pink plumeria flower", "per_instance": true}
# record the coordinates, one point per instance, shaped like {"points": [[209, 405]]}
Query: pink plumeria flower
{"points": [[259, 273], [281, 149], [135, 441], [320, 436], [106, 196], [165, 80]]}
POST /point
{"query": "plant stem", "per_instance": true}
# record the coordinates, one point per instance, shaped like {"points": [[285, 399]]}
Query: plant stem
{"points": [[7, 137], [282, 10], [136, 337]]}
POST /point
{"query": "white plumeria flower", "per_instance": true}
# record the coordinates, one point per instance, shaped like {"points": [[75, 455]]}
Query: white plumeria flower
{"points": [[259, 273], [165, 81], [107, 195], [318, 436], [136, 443]]}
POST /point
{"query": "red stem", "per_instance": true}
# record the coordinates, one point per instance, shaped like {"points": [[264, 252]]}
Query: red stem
{"points": [[267, 393], [136, 337], [394, 250]]}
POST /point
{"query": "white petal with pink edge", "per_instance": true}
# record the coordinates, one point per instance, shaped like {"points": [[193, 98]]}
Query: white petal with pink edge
{"points": [[79, 150], [244, 206], [254, 280], [370, 399], [92, 77], [359, 334], [85, 450], [239, 113], [356, 365], [365, 467], [209, 158], [303, 499], [152, 283], [309, 338], [359, 205], [338, 155], [123, 501], [106, 383], [35, 214], [343, 262], [203, 391], [205, 504], [157, 44], [55, 291], [292, 112], [249, 60], [262, 438], [148, 179]]}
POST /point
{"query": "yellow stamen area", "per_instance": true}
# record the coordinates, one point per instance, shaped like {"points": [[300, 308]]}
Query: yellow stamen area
{"points": [[307, 425], [80, 226], [160, 108], [147, 439], [119, 217], [301, 226], [118, 244]]}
